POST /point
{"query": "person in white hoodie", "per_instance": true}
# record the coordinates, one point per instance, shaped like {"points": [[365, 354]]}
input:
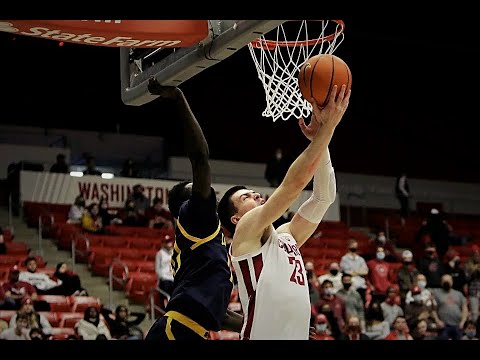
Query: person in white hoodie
{"points": [[92, 325], [41, 281]]}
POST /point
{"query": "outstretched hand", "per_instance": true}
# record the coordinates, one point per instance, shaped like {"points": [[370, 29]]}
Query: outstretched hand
{"points": [[166, 92]]}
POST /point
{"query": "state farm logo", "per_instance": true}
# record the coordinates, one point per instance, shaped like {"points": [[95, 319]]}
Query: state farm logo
{"points": [[7, 27]]}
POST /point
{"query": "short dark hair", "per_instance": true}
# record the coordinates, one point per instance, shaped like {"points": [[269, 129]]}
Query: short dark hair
{"points": [[226, 209], [177, 195], [30, 258]]}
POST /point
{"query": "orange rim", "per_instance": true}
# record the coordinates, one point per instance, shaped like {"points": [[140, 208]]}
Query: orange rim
{"points": [[272, 44]]}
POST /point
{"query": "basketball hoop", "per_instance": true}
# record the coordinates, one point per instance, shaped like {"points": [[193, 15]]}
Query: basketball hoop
{"points": [[278, 62]]}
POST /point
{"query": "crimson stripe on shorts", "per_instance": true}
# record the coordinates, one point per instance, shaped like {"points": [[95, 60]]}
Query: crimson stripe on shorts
{"points": [[246, 276], [257, 266], [251, 312]]}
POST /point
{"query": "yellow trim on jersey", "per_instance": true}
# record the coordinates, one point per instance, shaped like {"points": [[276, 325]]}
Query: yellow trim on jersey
{"points": [[185, 321], [168, 329], [197, 241], [177, 259]]}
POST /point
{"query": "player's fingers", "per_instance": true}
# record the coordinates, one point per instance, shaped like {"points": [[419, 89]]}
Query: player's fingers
{"points": [[341, 94], [301, 123]]}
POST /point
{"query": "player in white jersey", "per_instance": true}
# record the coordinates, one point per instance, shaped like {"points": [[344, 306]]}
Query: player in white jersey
{"points": [[268, 264]]}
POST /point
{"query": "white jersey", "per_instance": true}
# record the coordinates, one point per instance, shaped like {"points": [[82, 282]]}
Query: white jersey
{"points": [[273, 291]]}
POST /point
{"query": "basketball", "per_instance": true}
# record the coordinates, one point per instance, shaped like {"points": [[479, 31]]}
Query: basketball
{"points": [[319, 74]]}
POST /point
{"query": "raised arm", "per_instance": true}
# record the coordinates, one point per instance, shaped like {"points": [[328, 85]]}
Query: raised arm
{"points": [[195, 144], [257, 221]]}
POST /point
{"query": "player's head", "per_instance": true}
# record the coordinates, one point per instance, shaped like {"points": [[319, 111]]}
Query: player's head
{"points": [[177, 195], [235, 203]]}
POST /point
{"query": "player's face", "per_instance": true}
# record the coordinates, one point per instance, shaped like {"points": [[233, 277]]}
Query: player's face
{"points": [[246, 200]]}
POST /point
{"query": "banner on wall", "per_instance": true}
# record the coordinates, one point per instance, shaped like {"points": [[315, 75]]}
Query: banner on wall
{"points": [[46, 187]]}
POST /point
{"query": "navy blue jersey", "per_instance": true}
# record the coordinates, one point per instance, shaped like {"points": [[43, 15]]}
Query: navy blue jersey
{"points": [[203, 279]]}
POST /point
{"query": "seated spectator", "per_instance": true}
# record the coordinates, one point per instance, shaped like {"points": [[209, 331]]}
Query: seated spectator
{"points": [[129, 169], [353, 330], [131, 217], [431, 266], [91, 167], [158, 217], [19, 331], [419, 331], [353, 300], [141, 202], [390, 308], [356, 266], [470, 331], [71, 283], [334, 275], [406, 275], [379, 276], [108, 215], [376, 328], [91, 220], [41, 281], [3, 247], [400, 330], [15, 291], [121, 326], [76, 210], [35, 320], [60, 166], [453, 267], [322, 332], [91, 325]]}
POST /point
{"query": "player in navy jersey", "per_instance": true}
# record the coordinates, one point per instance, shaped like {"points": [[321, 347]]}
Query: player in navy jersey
{"points": [[202, 275]]}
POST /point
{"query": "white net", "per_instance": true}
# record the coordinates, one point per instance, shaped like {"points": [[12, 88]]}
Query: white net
{"points": [[278, 62]]}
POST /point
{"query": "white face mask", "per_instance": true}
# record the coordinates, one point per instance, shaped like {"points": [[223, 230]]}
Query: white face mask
{"points": [[422, 284], [382, 238], [321, 327], [329, 291], [380, 255]]}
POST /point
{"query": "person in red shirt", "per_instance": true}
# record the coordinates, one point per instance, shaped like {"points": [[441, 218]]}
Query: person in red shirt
{"points": [[400, 330], [322, 331], [379, 275], [334, 303], [16, 291]]}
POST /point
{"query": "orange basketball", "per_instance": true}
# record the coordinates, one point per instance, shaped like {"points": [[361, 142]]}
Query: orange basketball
{"points": [[319, 74]]}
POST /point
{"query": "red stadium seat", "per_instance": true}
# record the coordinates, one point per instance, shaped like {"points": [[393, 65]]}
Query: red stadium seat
{"points": [[58, 333], [52, 317], [139, 285], [81, 303], [146, 266], [69, 319], [7, 314], [115, 241], [143, 243], [58, 303]]}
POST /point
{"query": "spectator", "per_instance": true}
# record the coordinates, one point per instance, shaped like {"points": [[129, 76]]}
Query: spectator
{"points": [[92, 325], [353, 330], [313, 283], [121, 326], [473, 262], [381, 240], [41, 281], [353, 300], [402, 192], [91, 220], [452, 309], [159, 217], [379, 275], [19, 332], [435, 230], [322, 332], [419, 330], [431, 266], [334, 275], [76, 210], [390, 309], [163, 265], [36, 334], [376, 328], [473, 293], [470, 331], [91, 167], [71, 283], [108, 215], [142, 203], [406, 275], [356, 266], [418, 309], [426, 295], [60, 166], [16, 291], [131, 217], [129, 169], [276, 168], [35, 320], [453, 267], [400, 330], [335, 303]]}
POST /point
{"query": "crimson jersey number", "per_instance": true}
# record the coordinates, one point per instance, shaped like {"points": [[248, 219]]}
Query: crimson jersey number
{"points": [[298, 277]]}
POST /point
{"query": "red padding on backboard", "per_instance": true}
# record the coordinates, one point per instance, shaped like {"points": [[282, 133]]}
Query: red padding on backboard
{"points": [[114, 33]]}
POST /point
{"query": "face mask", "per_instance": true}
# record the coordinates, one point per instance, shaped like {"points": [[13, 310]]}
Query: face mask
{"points": [[417, 298], [446, 286], [470, 334], [347, 286], [382, 238], [321, 327], [353, 249], [422, 284], [329, 291], [380, 255], [334, 272]]}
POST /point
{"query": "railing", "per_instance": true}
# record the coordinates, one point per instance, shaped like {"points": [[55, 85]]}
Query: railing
{"points": [[112, 277], [153, 306], [40, 229], [75, 239]]}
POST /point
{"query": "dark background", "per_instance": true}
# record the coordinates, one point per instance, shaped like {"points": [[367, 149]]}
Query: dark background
{"points": [[414, 99]]}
